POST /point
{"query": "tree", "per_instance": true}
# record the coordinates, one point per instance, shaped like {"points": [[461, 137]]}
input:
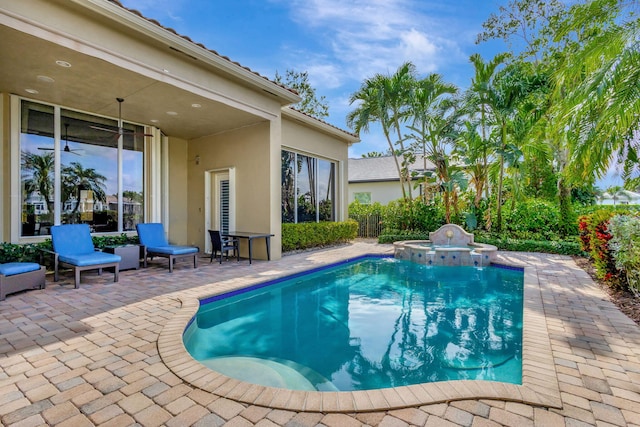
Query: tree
{"points": [[38, 175], [617, 193], [598, 80], [310, 104], [529, 21], [76, 178], [432, 115], [477, 106], [502, 99], [384, 99], [376, 154]]}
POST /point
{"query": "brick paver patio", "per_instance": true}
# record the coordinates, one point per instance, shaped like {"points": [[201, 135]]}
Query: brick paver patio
{"points": [[89, 356]]}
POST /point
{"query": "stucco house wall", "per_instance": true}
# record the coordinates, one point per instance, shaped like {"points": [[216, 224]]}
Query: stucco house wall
{"points": [[203, 112], [381, 192], [324, 144], [379, 177], [246, 151]]}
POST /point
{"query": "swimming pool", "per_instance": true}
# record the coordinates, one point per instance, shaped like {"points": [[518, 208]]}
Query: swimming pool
{"points": [[367, 324]]}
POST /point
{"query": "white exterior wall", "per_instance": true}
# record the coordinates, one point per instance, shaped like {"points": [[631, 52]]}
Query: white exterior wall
{"points": [[381, 192]]}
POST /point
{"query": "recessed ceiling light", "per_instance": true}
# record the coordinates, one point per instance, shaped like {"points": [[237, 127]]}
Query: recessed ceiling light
{"points": [[64, 64], [154, 120], [172, 113], [45, 79], [196, 105], [33, 91]]}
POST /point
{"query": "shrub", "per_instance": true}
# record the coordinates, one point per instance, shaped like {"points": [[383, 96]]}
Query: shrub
{"points": [[314, 234], [598, 242], [621, 209], [369, 218], [544, 246], [625, 246], [101, 241], [413, 215], [11, 252], [391, 236], [31, 252], [583, 233], [533, 219]]}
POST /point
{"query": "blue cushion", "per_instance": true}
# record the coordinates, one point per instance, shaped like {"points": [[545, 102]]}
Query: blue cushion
{"points": [[94, 258], [72, 239], [173, 249], [12, 268], [152, 234]]}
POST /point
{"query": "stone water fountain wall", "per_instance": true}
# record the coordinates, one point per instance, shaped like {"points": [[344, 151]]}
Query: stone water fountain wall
{"points": [[449, 245]]}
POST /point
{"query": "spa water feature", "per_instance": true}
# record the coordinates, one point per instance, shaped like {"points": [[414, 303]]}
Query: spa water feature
{"points": [[449, 245]]}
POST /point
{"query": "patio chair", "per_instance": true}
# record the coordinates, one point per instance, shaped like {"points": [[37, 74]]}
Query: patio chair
{"points": [[154, 243], [222, 245], [73, 247], [20, 276]]}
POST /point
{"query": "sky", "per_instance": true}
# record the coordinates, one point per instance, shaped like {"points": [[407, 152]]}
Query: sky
{"points": [[339, 43]]}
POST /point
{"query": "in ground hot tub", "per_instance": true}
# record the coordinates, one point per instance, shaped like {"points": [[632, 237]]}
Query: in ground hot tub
{"points": [[450, 245]]}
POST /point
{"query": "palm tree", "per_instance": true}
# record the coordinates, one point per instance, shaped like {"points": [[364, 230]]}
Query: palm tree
{"points": [[76, 178], [512, 86], [38, 175], [383, 99], [478, 100], [616, 192], [599, 83], [433, 114], [472, 150]]}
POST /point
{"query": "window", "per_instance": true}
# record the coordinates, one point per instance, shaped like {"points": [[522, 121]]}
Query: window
{"points": [[363, 197], [87, 178], [308, 188]]}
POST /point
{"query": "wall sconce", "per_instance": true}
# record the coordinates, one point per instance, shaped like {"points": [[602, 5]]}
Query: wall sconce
{"points": [[198, 159]]}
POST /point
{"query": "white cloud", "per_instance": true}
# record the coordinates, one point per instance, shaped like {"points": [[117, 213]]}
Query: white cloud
{"points": [[365, 37]]}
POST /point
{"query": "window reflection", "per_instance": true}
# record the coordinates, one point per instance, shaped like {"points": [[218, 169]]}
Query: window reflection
{"points": [[308, 188], [288, 187], [326, 178], [36, 168], [88, 171]]}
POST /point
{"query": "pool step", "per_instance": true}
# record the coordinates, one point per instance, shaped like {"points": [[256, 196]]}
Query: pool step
{"points": [[270, 373]]}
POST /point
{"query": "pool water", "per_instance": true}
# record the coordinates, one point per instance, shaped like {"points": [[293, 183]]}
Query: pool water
{"points": [[367, 324]]}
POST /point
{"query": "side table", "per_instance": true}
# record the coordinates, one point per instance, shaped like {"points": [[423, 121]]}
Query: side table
{"points": [[130, 255]]}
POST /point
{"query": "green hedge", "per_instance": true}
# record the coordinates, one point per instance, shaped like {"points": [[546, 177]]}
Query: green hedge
{"points": [[313, 234], [544, 246], [398, 235], [11, 252], [30, 252], [506, 244]]}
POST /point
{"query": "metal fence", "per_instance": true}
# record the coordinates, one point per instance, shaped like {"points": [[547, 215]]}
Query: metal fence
{"points": [[368, 225]]}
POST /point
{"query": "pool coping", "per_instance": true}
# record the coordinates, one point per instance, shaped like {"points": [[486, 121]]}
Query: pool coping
{"points": [[539, 377]]}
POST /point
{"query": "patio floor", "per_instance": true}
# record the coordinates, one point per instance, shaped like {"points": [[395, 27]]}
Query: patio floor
{"points": [[89, 356]]}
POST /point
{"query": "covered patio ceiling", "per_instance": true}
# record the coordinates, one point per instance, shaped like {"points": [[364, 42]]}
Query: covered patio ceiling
{"points": [[92, 85]]}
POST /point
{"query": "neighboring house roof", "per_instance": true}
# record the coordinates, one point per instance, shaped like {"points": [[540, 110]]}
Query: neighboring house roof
{"points": [[378, 169], [623, 195]]}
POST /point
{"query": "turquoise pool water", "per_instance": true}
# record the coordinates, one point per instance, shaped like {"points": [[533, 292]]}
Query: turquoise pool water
{"points": [[366, 324]]}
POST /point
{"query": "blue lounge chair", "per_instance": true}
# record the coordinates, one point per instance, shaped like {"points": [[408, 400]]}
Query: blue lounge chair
{"points": [[154, 243], [73, 247], [20, 276]]}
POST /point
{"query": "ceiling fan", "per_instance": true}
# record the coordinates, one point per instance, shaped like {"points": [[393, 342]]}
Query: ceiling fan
{"points": [[66, 148], [120, 128]]}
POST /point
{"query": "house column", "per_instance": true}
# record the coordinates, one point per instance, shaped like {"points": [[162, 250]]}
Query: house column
{"points": [[275, 187]]}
